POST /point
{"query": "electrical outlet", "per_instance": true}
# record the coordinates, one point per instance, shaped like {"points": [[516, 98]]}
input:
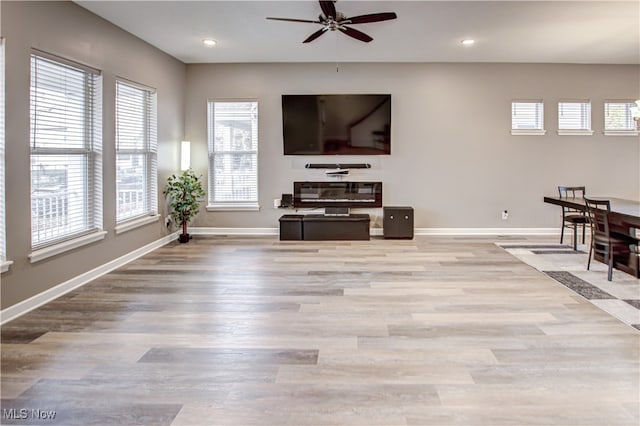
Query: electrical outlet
{"points": [[505, 215]]}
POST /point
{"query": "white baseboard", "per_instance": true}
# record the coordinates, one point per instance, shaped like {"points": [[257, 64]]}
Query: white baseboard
{"points": [[377, 232], [232, 231], [487, 231], [46, 296]]}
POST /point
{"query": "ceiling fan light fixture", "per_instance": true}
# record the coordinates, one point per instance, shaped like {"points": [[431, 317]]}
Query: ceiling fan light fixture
{"points": [[332, 20], [209, 42], [468, 42]]}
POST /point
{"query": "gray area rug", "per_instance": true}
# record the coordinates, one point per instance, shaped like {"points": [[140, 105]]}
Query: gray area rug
{"points": [[619, 298], [578, 285]]}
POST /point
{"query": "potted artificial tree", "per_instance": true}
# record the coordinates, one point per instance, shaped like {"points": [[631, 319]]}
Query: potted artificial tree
{"points": [[183, 191]]}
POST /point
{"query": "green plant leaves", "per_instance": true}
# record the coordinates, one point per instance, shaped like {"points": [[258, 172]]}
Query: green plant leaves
{"points": [[184, 190]]}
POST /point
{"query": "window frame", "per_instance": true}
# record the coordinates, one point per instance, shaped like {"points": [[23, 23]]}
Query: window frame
{"points": [[4, 263], [630, 131], [536, 131], [563, 131], [89, 154], [233, 205], [149, 153]]}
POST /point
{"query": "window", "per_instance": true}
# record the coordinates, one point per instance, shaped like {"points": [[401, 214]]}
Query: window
{"points": [[618, 119], [574, 118], [66, 155], [527, 118], [4, 265], [233, 155], [136, 151]]}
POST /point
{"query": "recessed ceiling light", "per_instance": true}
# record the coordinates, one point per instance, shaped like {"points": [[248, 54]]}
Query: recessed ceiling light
{"points": [[468, 41], [209, 42]]}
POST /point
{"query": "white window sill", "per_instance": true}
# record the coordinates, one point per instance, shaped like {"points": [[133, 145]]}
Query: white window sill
{"points": [[565, 132], [47, 252], [233, 207], [4, 265], [528, 132], [136, 223], [621, 133]]}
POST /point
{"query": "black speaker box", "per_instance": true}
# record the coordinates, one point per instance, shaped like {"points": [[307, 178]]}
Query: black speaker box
{"points": [[397, 222]]}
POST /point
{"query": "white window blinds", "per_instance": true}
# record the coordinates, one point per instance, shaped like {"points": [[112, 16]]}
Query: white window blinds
{"points": [[3, 235], [527, 118], [574, 118], [618, 118], [66, 154], [233, 154], [136, 151]]}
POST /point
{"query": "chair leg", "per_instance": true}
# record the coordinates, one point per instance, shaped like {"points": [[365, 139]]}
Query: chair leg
{"points": [[575, 237], [562, 232], [584, 226], [610, 263], [589, 258]]}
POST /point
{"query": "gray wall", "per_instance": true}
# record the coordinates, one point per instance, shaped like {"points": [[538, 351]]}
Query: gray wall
{"points": [[453, 157], [67, 30]]}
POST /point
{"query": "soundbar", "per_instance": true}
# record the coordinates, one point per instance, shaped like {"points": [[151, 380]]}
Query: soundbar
{"points": [[339, 200], [338, 166], [338, 172]]}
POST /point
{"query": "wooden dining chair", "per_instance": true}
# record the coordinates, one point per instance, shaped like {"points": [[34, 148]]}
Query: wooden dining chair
{"points": [[603, 241], [573, 218]]}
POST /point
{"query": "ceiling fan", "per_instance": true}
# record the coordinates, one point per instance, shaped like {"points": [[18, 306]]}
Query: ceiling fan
{"points": [[332, 20]]}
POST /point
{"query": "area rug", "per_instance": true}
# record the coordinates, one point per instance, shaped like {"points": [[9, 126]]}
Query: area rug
{"points": [[619, 297]]}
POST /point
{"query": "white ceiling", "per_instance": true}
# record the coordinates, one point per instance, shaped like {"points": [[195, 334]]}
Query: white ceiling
{"points": [[605, 32]]}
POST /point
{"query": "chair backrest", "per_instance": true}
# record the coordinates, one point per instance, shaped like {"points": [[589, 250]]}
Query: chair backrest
{"points": [[571, 192], [597, 212]]}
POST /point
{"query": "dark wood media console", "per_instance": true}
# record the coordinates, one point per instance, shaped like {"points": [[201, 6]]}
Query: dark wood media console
{"points": [[317, 227], [320, 227]]}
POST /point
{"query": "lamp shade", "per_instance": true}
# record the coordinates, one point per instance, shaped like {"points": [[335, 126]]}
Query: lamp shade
{"points": [[185, 155]]}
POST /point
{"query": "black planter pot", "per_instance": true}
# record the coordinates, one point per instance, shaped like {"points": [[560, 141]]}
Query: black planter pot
{"points": [[184, 238]]}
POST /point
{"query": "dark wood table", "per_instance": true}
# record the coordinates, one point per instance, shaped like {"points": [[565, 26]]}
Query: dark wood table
{"points": [[624, 217]]}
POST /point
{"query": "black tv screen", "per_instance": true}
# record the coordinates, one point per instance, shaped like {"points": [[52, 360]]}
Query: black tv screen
{"points": [[336, 124]]}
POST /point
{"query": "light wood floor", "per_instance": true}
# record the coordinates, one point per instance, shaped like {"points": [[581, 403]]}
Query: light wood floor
{"points": [[225, 331]]}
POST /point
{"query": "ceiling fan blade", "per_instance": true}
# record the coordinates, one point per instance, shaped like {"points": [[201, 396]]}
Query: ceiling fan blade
{"points": [[328, 8], [373, 17], [315, 35], [295, 20], [355, 34]]}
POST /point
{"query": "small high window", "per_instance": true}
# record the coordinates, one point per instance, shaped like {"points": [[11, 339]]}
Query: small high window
{"points": [[527, 118], [574, 118], [618, 120]]}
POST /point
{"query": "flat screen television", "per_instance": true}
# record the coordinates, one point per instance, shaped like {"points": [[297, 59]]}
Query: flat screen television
{"points": [[336, 124]]}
